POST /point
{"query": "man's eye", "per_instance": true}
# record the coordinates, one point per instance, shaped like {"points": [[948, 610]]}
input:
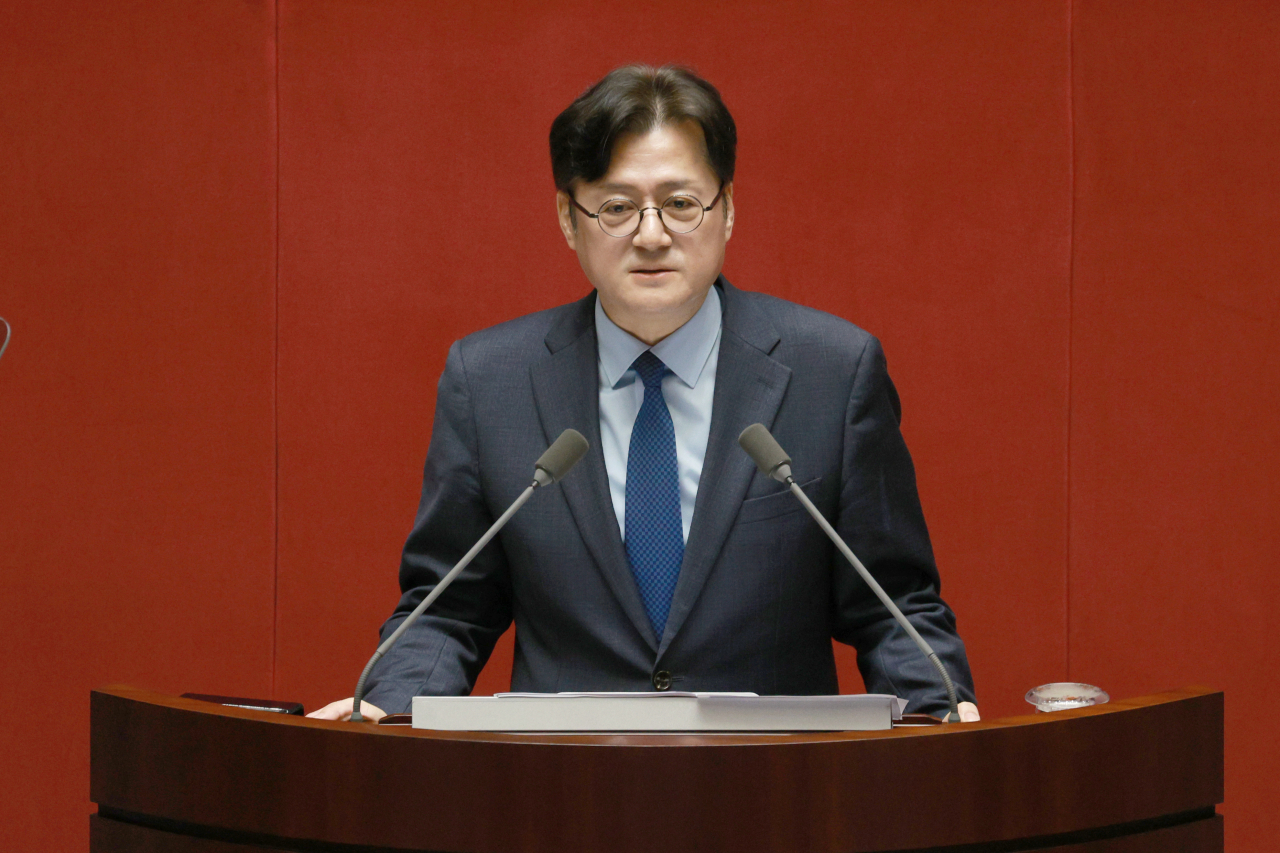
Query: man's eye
{"points": [[616, 208]]}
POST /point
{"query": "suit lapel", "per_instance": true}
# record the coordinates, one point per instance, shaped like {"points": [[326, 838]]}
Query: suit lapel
{"points": [[566, 392], [749, 389]]}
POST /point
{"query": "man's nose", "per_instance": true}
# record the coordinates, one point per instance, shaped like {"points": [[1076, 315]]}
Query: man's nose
{"points": [[651, 234]]}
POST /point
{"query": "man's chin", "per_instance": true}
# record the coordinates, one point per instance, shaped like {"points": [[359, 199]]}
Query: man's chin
{"points": [[659, 300], [652, 313]]}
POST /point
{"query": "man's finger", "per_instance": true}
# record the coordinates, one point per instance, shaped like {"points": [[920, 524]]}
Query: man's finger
{"points": [[340, 710]]}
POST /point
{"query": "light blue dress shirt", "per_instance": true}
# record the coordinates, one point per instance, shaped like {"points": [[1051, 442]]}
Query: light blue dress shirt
{"points": [[691, 353]]}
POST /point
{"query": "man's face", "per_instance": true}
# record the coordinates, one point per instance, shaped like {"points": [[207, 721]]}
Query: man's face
{"points": [[653, 281]]}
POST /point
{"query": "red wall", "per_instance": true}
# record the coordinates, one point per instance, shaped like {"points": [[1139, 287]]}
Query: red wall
{"points": [[1174, 446], [137, 429], [240, 237]]}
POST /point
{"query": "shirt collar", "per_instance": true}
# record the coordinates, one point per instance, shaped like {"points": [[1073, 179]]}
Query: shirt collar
{"points": [[685, 351]]}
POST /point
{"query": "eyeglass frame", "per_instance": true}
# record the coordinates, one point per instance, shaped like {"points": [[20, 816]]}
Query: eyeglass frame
{"points": [[640, 222]]}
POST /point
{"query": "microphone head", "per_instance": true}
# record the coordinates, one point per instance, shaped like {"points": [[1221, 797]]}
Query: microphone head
{"points": [[765, 451], [562, 455]]}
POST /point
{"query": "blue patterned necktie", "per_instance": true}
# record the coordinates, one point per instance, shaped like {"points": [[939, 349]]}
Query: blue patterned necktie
{"points": [[655, 535]]}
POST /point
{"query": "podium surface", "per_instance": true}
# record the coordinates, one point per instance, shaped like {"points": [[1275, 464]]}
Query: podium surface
{"points": [[171, 774]]}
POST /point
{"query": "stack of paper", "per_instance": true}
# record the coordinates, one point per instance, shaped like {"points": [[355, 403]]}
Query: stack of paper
{"points": [[655, 712]]}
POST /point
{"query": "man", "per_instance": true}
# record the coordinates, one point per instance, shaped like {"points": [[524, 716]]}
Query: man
{"points": [[664, 560]]}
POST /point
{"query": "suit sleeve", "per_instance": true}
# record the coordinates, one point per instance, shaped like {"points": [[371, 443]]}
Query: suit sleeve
{"points": [[881, 519], [444, 651]]}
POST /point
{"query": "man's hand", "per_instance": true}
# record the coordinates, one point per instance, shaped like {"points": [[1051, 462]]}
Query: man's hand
{"points": [[341, 710], [968, 712]]}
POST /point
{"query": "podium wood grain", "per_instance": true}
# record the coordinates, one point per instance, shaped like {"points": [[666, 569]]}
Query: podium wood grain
{"points": [[1135, 775]]}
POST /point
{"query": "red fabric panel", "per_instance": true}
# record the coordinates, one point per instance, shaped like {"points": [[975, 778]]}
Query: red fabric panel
{"points": [[1175, 374], [136, 438], [905, 166], [1089, 404]]}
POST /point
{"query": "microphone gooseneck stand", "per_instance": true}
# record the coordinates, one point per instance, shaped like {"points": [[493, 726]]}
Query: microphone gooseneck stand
{"points": [[774, 462], [562, 455]]}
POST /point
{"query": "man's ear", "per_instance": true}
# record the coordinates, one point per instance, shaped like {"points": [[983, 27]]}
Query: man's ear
{"points": [[568, 221], [727, 201]]}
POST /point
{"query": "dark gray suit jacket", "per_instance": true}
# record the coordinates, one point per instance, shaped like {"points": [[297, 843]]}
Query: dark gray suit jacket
{"points": [[761, 590]]}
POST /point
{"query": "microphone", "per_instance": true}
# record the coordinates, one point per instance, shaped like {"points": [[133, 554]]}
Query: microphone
{"points": [[551, 467], [765, 451], [774, 463], [557, 459]]}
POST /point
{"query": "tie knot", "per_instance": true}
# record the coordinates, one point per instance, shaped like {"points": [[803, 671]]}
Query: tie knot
{"points": [[650, 368]]}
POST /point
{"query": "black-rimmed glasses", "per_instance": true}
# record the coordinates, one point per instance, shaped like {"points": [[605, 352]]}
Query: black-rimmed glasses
{"points": [[621, 217]]}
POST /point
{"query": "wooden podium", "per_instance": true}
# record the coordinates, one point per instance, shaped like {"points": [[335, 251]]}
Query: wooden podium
{"points": [[173, 774]]}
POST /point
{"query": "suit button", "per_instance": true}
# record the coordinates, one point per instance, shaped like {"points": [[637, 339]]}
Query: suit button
{"points": [[662, 680]]}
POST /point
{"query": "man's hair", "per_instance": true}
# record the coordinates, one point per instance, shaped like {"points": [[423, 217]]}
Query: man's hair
{"points": [[637, 99]]}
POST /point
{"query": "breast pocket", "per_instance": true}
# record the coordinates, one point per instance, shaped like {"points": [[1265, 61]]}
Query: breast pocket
{"points": [[775, 505]]}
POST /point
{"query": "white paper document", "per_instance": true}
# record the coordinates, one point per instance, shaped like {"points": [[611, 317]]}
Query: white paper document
{"points": [[656, 712]]}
